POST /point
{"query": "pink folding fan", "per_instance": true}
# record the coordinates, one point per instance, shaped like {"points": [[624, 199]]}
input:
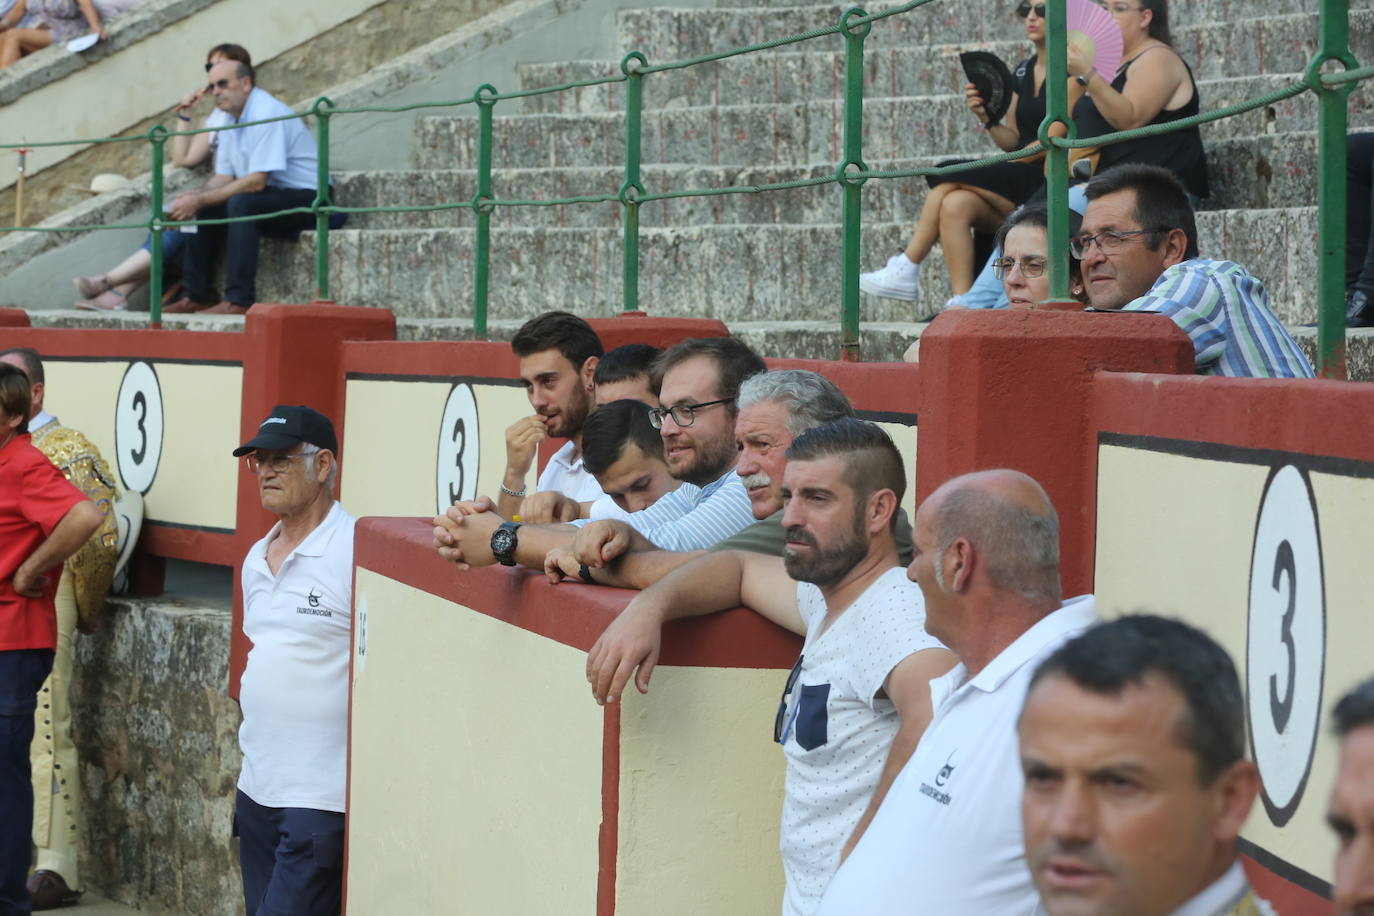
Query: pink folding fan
{"points": [[1096, 35]]}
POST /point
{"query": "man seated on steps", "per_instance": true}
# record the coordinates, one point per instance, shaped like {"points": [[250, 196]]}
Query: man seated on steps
{"points": [[699, 382], [258, 169], [774, 408], [1140, 254], [858, 698]]}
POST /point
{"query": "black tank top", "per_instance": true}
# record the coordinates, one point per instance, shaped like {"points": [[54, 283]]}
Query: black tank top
{"points": [[1180, 151], [1030, 106]]}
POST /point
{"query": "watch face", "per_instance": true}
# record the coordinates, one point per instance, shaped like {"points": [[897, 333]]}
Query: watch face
{"points": [[500, 541]]}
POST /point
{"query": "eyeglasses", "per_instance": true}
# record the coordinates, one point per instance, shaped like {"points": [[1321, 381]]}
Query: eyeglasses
{"points": [[1030, 267], [1108, 241], [221, 84], [782, 724], [279, 464], [683, 414], [1024, 10]]}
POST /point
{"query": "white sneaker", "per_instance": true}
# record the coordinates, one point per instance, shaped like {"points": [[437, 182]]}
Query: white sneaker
{"points": [[899, 279]]}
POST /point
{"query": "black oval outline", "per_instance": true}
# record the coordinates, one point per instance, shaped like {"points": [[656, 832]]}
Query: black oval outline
{"points": [[1280, 816], [162, 437], [439, 446]]}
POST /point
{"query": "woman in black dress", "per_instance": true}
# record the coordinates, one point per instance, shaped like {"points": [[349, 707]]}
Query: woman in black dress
{"points": [[978, 200]]}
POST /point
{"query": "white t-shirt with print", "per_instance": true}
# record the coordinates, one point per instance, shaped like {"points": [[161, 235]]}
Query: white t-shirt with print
{"points": [[837, 729]]}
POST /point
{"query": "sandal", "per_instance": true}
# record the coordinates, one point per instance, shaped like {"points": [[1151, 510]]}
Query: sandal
{"points": [[90, 287], [108, 301]]}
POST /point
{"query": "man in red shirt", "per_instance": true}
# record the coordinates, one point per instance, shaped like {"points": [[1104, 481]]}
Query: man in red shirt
{"points": [[43, 520]]}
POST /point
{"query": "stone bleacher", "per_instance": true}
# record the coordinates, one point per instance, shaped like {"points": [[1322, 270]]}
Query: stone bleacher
{"points": [[769, 264]]}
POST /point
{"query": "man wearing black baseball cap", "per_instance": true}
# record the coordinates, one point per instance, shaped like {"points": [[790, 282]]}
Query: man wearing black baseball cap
{"points": [[297, 603]]}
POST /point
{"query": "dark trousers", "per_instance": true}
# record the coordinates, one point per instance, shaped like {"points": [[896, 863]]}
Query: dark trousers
{"points": [[1359, 196], [240, 243], [291, 859], [22, 672]]}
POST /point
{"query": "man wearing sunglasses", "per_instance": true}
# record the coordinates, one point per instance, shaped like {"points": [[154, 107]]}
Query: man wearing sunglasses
{"points": [[698, 382], [858, 699], [297, 611], [1139, 253], [259, 169]]}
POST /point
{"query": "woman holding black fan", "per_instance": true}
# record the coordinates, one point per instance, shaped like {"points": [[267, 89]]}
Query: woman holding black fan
{"points": [[980, 199]]}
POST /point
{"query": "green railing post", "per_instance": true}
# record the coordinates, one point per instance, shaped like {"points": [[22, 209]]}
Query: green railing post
{"points": [[157, 137], [630, 190], [323, 198], [1057, 158], [481, 208], [1331, 184], [853, 187]]}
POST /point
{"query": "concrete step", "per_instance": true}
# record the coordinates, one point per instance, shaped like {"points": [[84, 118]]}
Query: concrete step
{"points": [[808, 75], [1228, 46], [731, 272]]}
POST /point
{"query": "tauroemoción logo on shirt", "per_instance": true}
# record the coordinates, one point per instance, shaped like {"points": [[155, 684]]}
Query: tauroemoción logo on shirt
{"points": [[313, 599], [941, 779]]}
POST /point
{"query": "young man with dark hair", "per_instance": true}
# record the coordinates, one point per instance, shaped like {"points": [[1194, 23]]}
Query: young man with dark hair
{"points": [[627, 372], [1351, 812], [1136, 783], [559, 353], [1139, 253], [858, 699]]}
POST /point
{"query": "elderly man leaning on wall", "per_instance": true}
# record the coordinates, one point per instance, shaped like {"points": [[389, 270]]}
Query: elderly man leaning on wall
{"points": [[858, 699]]}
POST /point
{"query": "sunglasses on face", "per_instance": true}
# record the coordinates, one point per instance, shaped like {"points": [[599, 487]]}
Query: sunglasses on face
{"points": [[218, 84], [1025, 9]]}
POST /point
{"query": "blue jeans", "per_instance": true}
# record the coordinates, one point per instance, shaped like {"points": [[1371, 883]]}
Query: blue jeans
{"points": [[22, 672], [291, 859]]}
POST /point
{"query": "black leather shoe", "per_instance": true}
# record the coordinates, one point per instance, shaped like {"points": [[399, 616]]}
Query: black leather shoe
{"points": [[49, 891], [1359, 311]]}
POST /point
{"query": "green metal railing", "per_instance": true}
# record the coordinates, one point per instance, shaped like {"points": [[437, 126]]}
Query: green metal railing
{"points": [[1332, 89]]}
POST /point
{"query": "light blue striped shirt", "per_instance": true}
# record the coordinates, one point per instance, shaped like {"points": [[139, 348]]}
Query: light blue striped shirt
{"points": [[1225, 310], [695, 518]]}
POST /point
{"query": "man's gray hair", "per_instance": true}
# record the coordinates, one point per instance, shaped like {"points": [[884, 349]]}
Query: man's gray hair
{"points": [[310, 450], [1019, 547], [811, 400]]}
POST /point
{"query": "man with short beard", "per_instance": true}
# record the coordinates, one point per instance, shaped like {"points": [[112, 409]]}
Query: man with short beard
{"points": [[857, 700]]}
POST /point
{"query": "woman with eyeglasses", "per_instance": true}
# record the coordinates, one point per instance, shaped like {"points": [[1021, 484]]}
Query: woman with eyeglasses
{"points": [[110, 291], [978, 200], [1023, 266], [1153, 85]]}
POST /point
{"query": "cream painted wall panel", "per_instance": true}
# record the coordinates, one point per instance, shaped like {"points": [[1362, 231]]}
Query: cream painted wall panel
{"points": [[905, 439], [178, 50], [1175, 536], [392, 470], [196, 481], [701, 787], [474, 746]]}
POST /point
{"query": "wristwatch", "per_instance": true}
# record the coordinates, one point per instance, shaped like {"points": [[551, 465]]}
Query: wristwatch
{"points": [[503, 543], [1084, 78]]}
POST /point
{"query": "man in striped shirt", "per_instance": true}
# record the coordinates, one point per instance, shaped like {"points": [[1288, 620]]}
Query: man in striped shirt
{"points": [[1140, 254]]}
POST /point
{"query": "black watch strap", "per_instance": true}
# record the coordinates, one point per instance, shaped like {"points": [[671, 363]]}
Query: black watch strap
{"points": [[585, 574], [504, 542]]}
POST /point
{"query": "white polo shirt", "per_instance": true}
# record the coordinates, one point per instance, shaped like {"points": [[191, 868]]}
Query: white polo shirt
{"points": [[294, 692], [837, 729], [566, 474], [948, 839]]}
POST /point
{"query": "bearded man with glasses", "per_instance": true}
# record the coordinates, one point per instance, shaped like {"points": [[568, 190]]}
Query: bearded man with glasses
{"points": [[297, 610], [1139, 253]]}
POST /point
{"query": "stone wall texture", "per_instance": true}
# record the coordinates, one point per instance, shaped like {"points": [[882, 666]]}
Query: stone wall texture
{"points": [[158, 742]]}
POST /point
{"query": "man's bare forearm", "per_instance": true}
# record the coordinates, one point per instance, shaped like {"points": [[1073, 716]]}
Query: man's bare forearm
{"points": [[75, 529], [642, 568]]}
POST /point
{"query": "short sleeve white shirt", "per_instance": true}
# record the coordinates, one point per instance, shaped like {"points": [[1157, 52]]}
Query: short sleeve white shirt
{"points": [[947, 838], [284, 150], [294, 691], [837, 729], [566, 473]]}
